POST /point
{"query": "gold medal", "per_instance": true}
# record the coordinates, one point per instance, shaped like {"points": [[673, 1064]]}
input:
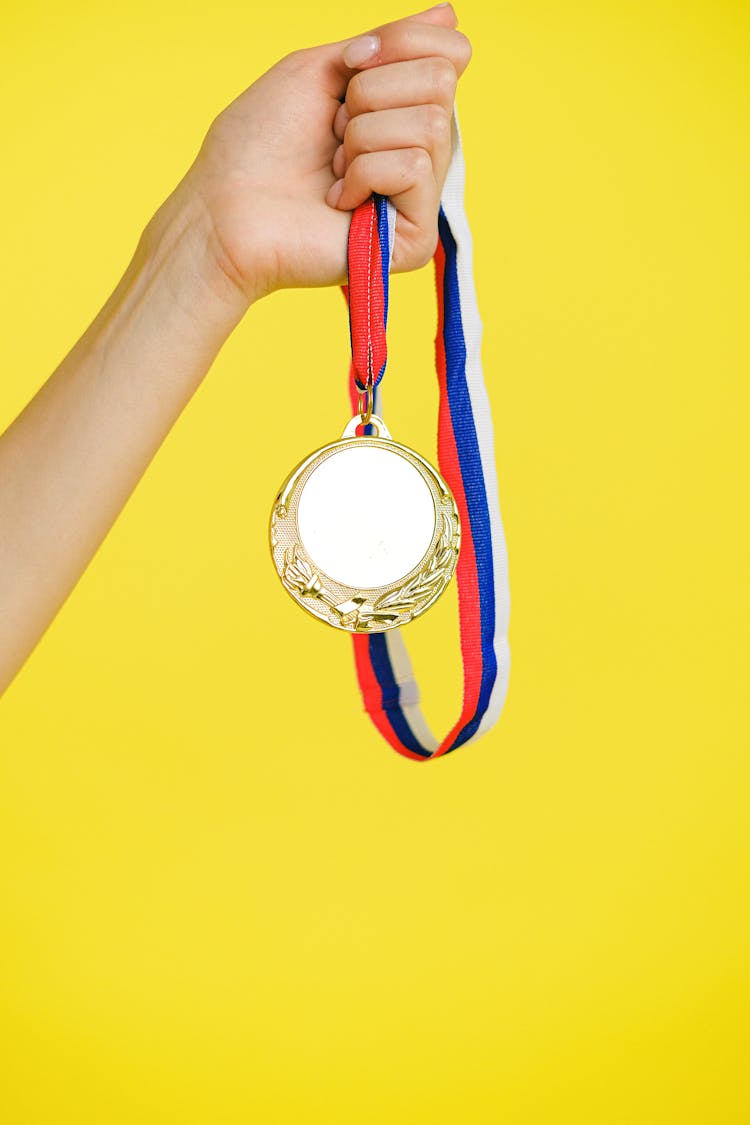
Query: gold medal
{"points": [[364, 532]]}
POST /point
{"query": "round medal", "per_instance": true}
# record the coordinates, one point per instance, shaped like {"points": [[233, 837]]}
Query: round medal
{"points": [[365, 533]]}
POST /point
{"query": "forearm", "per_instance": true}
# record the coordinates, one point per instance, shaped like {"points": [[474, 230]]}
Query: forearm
{"points": [[71, 459]]}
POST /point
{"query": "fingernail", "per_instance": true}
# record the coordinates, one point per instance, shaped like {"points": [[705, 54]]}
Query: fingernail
{"points": [[340, 121], [334, 193], [361, 50], [339, 161]]}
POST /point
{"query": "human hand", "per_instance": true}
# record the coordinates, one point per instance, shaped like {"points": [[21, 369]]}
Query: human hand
{"points": [[284, 164]]}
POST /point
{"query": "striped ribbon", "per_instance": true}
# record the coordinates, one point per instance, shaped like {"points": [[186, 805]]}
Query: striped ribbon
{"points": [[467, 461]]}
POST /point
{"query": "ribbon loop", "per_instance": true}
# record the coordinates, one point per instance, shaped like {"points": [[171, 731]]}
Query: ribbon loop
{"points": [[467, 462]]}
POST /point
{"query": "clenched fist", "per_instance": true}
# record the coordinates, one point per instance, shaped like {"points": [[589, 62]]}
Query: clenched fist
{"points": [[284, 164]]}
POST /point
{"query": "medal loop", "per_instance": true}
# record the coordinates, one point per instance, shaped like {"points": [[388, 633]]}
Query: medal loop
{"points": [[366, 402]]}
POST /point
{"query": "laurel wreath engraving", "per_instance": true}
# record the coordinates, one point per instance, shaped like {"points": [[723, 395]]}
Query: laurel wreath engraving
{"points": [[427, 582], [356, 613]]}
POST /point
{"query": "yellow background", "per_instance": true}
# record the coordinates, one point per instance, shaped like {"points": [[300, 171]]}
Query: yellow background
{"points": [[224, 898]]}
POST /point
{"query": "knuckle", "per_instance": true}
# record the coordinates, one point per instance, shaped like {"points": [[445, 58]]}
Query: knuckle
{"points": [[421, 252], [428, 250], [443, 77], [465, 49], [418, 162], [437, 123]]}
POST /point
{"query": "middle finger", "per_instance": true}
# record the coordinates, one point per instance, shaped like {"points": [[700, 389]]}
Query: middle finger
{"points": [[417, 82], [421, 126]]}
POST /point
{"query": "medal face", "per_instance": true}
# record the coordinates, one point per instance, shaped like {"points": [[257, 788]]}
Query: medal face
{"points": [[365, 533]]}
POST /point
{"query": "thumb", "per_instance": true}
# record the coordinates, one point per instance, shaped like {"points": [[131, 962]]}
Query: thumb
{"points": [[340, 65]]}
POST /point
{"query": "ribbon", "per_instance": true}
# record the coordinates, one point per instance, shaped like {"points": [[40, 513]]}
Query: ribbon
{"points": [[466, 458]]}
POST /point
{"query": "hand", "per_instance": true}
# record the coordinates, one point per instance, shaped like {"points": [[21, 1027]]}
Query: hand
{"points": [[284, 164]]}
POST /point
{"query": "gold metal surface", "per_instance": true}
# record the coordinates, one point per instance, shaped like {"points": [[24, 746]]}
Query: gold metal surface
{"points": [[372, 609], [366, 401]]}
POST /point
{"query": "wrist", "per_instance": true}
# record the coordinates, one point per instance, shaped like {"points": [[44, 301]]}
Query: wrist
{"points": [[180, 244], [174, 307]]}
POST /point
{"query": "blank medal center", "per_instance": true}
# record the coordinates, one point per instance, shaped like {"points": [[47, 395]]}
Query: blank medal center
{"points": [[366, 517]]}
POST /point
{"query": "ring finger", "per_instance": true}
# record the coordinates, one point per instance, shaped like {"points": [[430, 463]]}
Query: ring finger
{"points": [[421, 126]]}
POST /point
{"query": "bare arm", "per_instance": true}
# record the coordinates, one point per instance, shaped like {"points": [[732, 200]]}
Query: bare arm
{"points": [[265, 205], [72, 457]]}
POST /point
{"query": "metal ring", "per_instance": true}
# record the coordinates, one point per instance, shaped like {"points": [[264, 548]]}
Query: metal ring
{"points": [[366, 403]]}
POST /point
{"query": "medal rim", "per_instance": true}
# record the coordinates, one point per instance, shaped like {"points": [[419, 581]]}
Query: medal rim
{"points": [[447, 510]]}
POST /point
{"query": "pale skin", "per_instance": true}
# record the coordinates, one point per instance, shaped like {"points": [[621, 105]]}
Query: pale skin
{"points": [[265, 205]]}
